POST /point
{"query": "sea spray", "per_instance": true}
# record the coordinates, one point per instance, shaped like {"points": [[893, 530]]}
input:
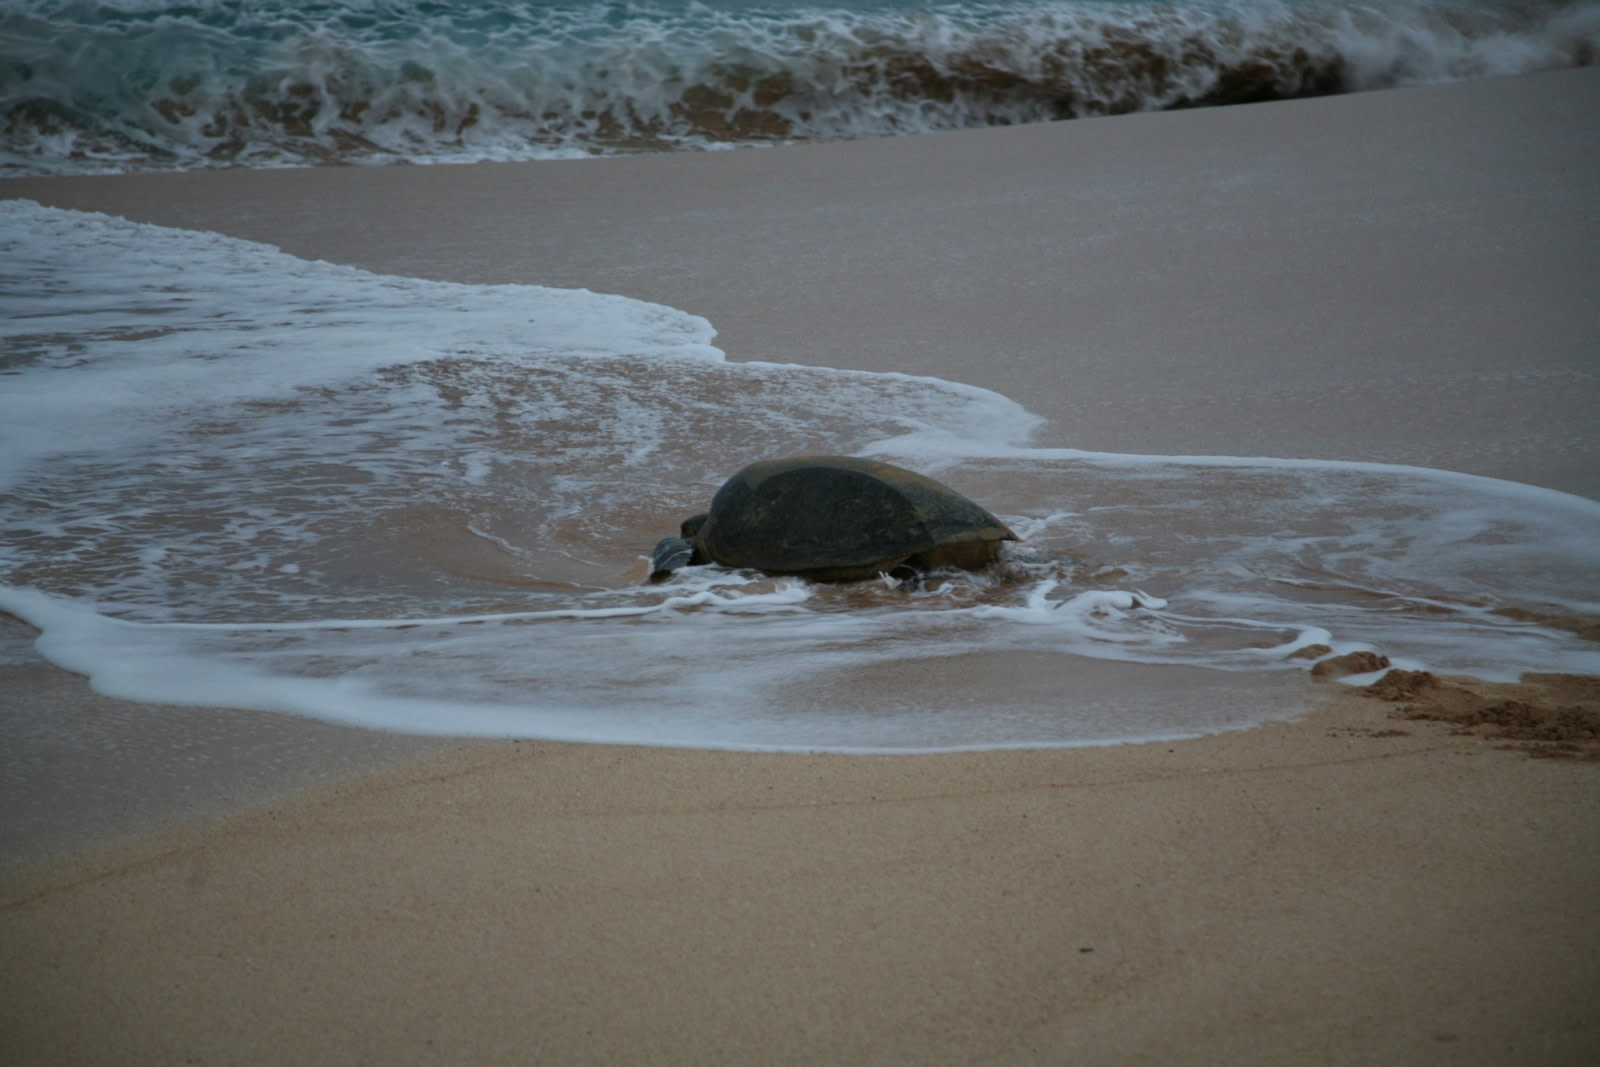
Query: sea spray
{"points": [[137, 84]]}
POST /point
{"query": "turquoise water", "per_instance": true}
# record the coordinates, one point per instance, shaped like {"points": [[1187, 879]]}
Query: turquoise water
{"points": [[105, 86]]}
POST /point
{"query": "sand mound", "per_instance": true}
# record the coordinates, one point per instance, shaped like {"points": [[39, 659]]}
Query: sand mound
{"points": [[1348, 664], [1553, 716]]}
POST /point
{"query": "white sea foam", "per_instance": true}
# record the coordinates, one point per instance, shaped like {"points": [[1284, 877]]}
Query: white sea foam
{"points": [[234, 477], [117, 84]]}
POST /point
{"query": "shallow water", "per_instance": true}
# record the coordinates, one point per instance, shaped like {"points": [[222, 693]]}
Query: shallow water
{"points": [[98, 85], [232, 477]]}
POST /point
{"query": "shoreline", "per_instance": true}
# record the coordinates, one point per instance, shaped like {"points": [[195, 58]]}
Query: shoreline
{"points": [[1224, 281], [1338, 887], [79, 769]]}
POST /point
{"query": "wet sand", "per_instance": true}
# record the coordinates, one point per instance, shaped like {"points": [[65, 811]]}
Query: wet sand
{"points": [[1404, 277], [1346, 889]]}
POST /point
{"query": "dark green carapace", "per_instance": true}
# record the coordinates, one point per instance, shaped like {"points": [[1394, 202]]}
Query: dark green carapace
{"points": [[834, 519]]}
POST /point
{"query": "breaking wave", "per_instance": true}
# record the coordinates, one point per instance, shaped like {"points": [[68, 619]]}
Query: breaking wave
{"points": [[139, 84]]}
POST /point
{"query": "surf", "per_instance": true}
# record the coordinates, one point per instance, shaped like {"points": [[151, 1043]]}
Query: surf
{"points": [[235, 477], [123, 85]]}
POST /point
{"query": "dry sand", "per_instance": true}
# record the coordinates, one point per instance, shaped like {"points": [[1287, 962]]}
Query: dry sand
{"points": [[1343, 890], [1404, 276]]}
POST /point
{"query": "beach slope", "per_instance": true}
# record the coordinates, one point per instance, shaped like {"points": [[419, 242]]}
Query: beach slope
{"points": [[1404, 277]]}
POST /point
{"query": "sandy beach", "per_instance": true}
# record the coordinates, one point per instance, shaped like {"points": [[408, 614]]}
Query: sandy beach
{"points": [[1395, 877]]}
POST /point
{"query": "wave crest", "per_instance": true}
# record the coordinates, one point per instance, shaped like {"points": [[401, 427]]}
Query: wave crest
{"points": [[135, 85]]}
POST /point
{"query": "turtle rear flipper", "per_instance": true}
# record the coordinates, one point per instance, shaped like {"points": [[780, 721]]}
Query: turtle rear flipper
{"points": [[670, 554], [967, 555]]}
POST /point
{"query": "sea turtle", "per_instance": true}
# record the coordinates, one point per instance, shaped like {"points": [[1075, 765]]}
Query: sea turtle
{"points": [[834, 519]]}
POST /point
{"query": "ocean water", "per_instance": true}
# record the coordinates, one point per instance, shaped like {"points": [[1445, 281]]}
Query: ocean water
{"points": [[110, 85], [230, 476]]}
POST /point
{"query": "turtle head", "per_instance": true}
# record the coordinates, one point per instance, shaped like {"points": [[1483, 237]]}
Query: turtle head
{"points": [[672, 553]]}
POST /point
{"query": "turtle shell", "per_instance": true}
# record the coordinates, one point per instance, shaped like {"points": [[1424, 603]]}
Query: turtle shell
{"points": [[837, 518]]}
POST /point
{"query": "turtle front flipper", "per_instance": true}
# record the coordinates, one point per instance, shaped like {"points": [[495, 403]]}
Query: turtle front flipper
{"points": [[670, 554]]}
